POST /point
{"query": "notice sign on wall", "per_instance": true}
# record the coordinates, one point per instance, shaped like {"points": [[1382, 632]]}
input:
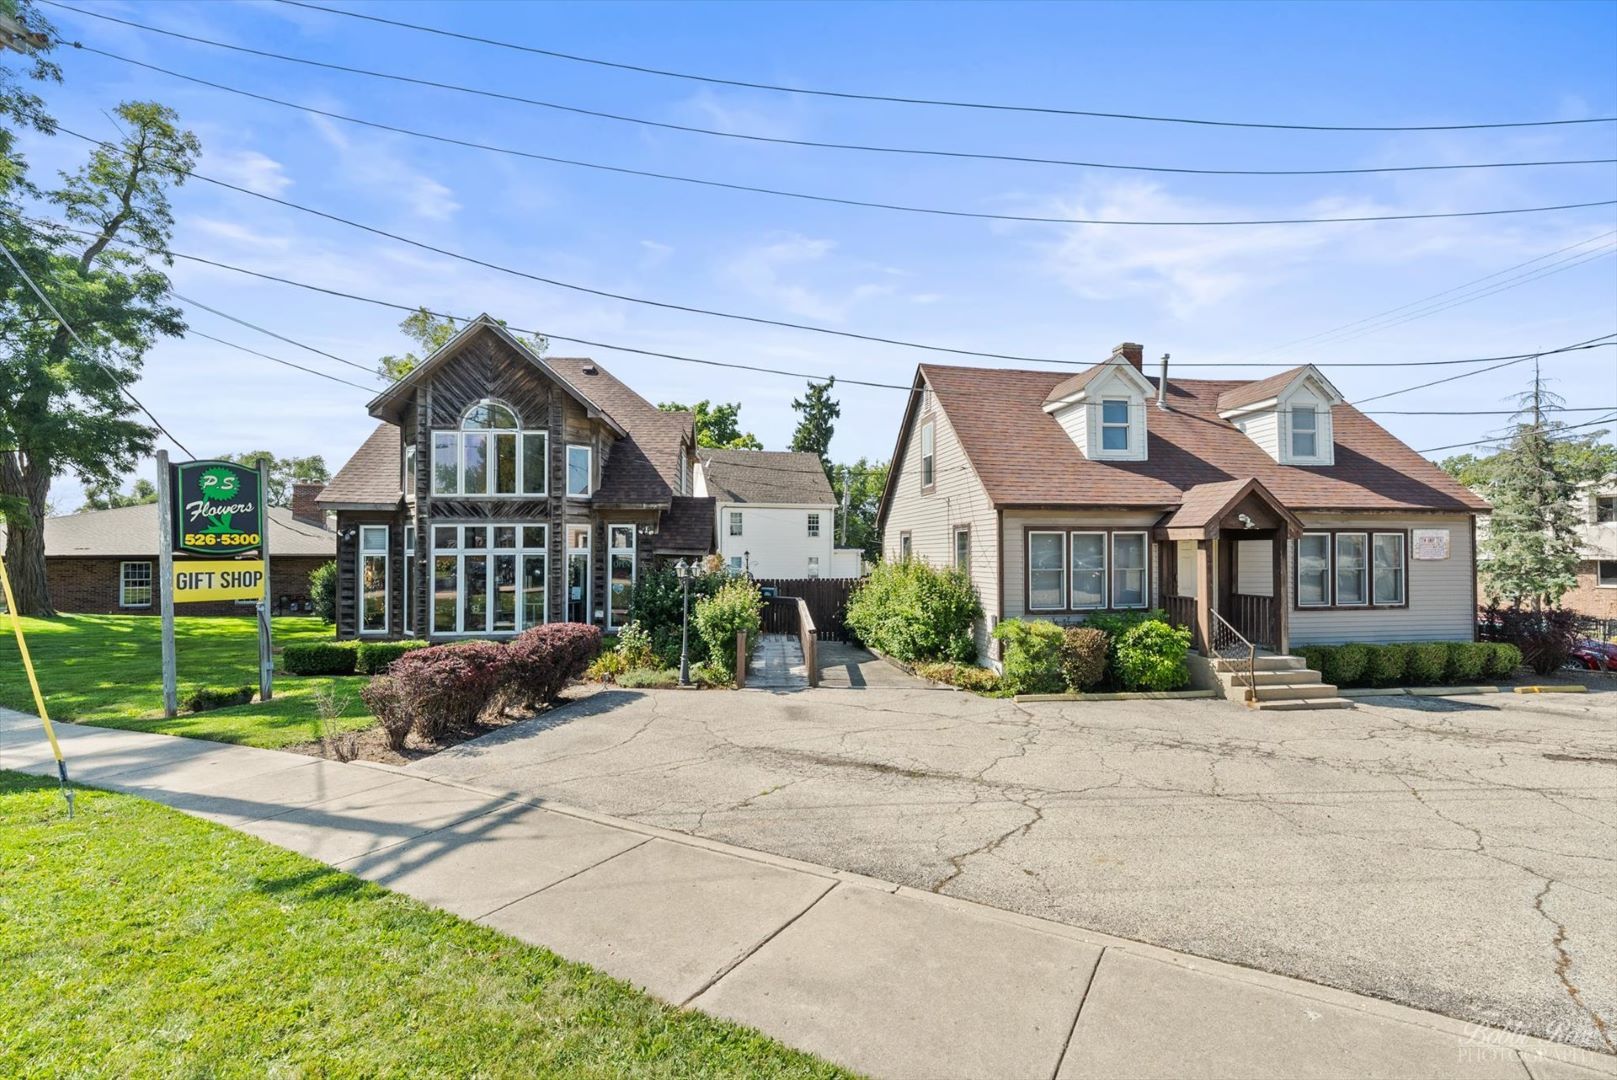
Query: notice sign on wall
{"points": [[218, 509], [197, 580], [1430, 543]]}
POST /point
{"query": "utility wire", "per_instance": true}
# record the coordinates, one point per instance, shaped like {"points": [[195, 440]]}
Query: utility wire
{"points": [[608, 295], [852, 96], [1037, 219], [1502, 438], [271, 333], [749, 138], [89, 353], [1470, 412], [192, 332], [1591, 343]]}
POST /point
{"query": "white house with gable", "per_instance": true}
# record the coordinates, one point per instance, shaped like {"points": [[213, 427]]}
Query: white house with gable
{"points": [[775, 514]]}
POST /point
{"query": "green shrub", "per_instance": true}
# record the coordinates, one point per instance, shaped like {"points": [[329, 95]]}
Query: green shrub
{"points": [[1031, 656], [1083, 656], [323, 591], [1114, 624], [1345, 665], [211, 698], [913, 612], [979, 680], [1384, 664], [1467, 660], [607, 667], [709, 676], [737, 606], [655, 604], [634, 645], [1503, 660], [646, 678], [319, 658], [1151, 656], [1315, 656], [373, 657], [1427, 662]]}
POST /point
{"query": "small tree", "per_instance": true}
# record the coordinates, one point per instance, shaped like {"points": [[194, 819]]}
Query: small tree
{"points": [[430, 333], [717, 426], [819, 411], [284, 472], [106, 495], [858, 489]]}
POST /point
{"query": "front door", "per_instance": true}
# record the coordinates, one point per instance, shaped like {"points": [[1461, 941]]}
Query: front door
{"points": [[578, 573]]}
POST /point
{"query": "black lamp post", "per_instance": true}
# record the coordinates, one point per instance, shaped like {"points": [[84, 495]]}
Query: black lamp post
{"points": [[682, 570]]}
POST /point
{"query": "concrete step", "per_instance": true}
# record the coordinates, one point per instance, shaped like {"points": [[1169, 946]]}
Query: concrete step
{"points": [[1283, 691], [1270, 678], [1303, 704], [1263, 662]]}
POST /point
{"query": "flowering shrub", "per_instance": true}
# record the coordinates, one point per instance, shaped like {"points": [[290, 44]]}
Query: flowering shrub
{"points": [[541, 661]]}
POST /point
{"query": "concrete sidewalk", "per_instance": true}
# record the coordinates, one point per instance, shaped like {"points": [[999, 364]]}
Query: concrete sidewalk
{"points": [[879, 977]]}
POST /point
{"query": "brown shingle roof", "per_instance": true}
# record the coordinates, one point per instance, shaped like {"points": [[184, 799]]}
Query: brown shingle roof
{"points": [[687, 527], [1024, 458], [1253, 392], [765, 476], [132, 531], [371, 476], [645, 467]]}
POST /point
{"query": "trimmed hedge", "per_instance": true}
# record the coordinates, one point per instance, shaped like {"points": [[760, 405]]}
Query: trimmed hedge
{"points": [[542, 661], [1423, 663], [915, 612], [1083, 656], [210, 698], [373, 657], [319, 658], [1125, 651]]}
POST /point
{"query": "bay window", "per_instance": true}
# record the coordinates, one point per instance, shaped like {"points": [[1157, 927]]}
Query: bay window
{"points": [[489, 579], [491, 455], [373, 584]]}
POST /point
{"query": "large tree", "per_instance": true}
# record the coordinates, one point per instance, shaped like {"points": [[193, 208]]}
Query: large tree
{"points": [[818, 410], [858, 488], [284, 472], [717, 426], [109, 496], [67, 410], [430, 333]]}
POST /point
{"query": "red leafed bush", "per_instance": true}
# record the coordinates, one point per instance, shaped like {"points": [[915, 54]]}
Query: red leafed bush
{"points": [[541, 661], [446, 687]]}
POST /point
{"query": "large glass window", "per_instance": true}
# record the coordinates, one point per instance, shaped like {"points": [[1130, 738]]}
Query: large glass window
{"points": [[928, 454], [578, 471], [1088, 569], [1387, 583], [490, 455], [1304, 431], [1314, 570], [373, 579], [578, 573], [489, 579], [1351, 586], [1128, 570], [1114, 424], [1046, 571], [621, 572], [135, 584]]}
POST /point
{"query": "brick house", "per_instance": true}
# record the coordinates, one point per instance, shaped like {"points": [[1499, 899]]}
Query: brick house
{"points": [[1596, 592], [104, 562], [501, 489]]}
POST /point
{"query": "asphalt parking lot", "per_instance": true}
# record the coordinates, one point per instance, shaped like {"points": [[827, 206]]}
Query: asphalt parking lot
{"points": [[1454, 854]]}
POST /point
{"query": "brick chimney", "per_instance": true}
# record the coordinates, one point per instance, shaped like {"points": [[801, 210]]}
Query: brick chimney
{"points": [[303, 504], [1133, 353]]}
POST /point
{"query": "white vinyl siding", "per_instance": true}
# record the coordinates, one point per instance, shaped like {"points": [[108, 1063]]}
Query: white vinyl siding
{"points": [[776, 540], [1439, 591]]}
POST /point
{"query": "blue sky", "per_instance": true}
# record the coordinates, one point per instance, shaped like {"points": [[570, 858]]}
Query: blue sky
{"points": [[1208, 296]]}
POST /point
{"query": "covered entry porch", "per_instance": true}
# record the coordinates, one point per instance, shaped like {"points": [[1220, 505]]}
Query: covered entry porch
{"points": [[1224, 566]]}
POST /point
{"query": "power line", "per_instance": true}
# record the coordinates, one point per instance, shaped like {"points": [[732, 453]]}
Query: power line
{"points": [[1590, 343], [191, 332], [731, 135], [271, 333], [1502, 438], [89, 353], [849, 95], [660, 304], [1038, 219], [1470, 412]]}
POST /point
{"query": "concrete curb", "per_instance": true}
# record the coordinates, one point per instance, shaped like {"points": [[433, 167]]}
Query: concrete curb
{"points": [[1416, 691], [1137, 695]]}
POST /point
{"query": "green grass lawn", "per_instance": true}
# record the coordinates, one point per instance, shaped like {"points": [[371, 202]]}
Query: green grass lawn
{"points": [[142, 942], [107, 670]]}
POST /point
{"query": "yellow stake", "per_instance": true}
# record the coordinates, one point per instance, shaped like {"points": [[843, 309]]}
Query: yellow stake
{"points": [[33, 681]]}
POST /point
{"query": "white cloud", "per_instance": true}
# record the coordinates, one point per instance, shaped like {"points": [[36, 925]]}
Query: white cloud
{"points": [[769, 271], [372, 166], [249, 169]]}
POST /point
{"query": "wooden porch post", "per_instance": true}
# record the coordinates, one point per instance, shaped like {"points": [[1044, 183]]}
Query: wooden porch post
{"points": [[1282, 622], [1206, 587]]}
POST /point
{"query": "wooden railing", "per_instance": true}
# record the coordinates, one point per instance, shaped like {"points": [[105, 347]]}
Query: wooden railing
{"points": [[1182, 612], [1236, 653], [1253, 616], [806, 633]]}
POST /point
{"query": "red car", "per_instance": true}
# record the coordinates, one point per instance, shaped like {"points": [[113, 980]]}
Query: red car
{"points": [[1594, 655]]}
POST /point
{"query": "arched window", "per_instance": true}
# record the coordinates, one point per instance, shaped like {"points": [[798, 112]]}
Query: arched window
{"points": [[491, 455]]}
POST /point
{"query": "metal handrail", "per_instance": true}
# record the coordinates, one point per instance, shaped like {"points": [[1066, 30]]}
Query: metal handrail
{"points": [[1229, 646]]}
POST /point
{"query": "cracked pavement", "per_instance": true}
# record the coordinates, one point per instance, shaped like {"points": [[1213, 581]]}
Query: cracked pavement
{"points": [[1454, 854]]}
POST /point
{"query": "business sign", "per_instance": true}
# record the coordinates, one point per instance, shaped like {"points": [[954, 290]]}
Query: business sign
{"points": [[1430, 544], [218, 508], [199, 580]]}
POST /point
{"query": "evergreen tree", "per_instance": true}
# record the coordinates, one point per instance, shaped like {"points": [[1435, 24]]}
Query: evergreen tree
{"points": [[818, 410]]}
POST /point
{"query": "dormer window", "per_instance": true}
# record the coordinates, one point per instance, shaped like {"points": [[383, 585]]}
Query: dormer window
{"points": [[1304, 431], [1114, 424]]}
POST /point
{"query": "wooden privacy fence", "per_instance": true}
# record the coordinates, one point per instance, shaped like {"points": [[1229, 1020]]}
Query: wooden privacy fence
{"points": [[827, 600]]}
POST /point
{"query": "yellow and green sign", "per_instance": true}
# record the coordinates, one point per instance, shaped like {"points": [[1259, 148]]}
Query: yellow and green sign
{"points": [[218, 508], [197, 580]]}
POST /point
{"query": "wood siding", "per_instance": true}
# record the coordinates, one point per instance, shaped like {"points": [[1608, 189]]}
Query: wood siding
{"points": [[956, 499], [1440, 605]]}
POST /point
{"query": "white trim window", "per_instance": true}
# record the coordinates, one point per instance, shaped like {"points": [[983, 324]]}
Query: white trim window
{"points": [[1046, 571], [1114, 425], [372, 581], [1130, 576], [813, 566], [489, 579], [814, 524], [1387, 577], [620, 573], [1352, 584], [409, 471], [1304, 432], [490, 456], [135, 584], [1088, 570], [735, 523], [580, 468], [1314, 570], [929, 451], [962, 547], [409, 579]]}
